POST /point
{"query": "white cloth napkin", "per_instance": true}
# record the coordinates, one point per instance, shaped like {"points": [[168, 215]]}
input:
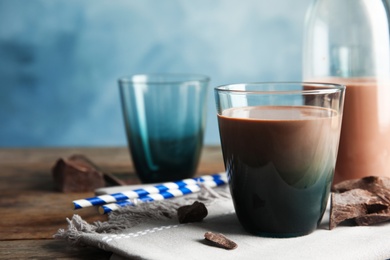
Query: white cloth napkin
{"points": [[153, 232]]}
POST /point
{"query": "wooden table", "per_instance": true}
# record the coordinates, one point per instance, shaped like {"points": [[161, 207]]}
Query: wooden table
{"points": [[32, 211]]}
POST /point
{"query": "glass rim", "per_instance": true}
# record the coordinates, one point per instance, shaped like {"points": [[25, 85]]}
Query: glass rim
{"points": [[163, 78], [321, 88]]}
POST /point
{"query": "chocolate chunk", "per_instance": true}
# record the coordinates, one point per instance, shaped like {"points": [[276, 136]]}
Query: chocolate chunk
{"points": [[76, 175], [365, 200], [220, 240], [192, 213], [352, 204], [374, 218], [108, 177], [370, 183]]}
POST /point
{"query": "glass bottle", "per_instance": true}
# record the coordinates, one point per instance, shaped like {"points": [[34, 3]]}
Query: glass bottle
{"points": [[347, 42]]}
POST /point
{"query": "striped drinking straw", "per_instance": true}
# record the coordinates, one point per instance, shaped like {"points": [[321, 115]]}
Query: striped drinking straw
{"points": [[213, 180], [104, 209]]}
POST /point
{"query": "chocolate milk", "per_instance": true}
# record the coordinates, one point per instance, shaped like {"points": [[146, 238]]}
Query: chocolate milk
{"points": [[280, 162], [365, 134]]}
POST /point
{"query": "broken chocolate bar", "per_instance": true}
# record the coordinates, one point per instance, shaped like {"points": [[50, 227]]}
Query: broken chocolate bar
{"points": [[75, 175], [192, 213], [220, 240], [108, 177], [365, 200], [370, 183], [352, 204], [374, 218]]}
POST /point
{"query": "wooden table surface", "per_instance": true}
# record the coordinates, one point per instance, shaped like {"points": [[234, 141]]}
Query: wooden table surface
{"points": [[32, 211]]}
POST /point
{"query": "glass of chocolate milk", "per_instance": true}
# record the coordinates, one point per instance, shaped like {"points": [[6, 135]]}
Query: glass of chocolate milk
{"points": [[165, 117], [279, 144]]}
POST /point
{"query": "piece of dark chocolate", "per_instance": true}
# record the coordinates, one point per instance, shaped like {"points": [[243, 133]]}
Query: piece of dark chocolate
{"points": [[220, 240], [370, 183], [75, 175], [108, 177], [374, 218], [352, 204], [192, 213], [364, 209]]}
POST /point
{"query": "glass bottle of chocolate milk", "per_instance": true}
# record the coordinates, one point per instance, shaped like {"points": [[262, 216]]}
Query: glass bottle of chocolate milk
{"points": [[347, 42]]}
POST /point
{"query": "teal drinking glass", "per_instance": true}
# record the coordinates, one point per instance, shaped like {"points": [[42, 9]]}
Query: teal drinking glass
{"points": [[165, 117], [279, 143]]}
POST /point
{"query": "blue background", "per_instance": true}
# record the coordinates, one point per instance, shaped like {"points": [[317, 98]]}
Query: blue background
{"points": [[60, 59]]}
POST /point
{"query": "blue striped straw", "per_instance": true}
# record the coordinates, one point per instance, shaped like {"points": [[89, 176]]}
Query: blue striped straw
{"points": [[217, 179], [104, 209]]}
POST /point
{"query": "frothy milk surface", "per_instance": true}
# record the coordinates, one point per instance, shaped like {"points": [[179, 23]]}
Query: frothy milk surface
{"points": [[279, 113]]}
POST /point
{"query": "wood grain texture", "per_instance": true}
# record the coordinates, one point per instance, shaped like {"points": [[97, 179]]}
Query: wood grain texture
{"points": [[48, 249], [32, 211]]}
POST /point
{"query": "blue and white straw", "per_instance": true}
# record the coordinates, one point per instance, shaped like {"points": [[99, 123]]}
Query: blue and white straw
{"points": [[104, 209], [207, 180]]}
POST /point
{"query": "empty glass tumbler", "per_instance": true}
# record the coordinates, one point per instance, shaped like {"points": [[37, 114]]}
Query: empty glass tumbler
{"points": [[164, 116]]}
